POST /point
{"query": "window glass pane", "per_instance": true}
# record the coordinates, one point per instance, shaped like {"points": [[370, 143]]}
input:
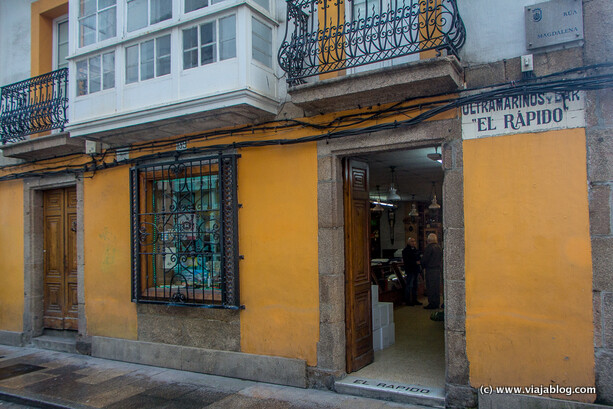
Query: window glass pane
{"points": [[137, 14], [162, 50], [94, 74], [227, 37], [87, 31], [108, 70], [147, 60], [190, 48], [160, 10], [208, 50], [261, 42], [62, 44], [208, 54], [82, 77], [132, 64], [87, 7], [263, 3], [107, 24], [102, 4], [191, 5]]}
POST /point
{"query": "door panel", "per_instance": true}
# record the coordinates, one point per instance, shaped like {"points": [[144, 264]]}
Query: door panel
{"points": [[357, 263], [70, 228], [60, 259]]}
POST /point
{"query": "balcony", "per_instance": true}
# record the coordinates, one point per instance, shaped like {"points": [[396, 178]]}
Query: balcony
{"points": [[33, 106], [336, 52]]}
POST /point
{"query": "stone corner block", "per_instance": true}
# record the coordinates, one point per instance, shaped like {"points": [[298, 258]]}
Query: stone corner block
{"points": [[12, 338], [604, 376], [602, 263], [455, 358], [460, 397], [600, 210]]}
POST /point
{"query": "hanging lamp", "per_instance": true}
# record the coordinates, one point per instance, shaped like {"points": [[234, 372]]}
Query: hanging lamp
{"points": [[434, 206], [392, 195], [414, 213]]}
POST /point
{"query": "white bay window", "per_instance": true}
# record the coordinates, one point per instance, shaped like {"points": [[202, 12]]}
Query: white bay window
{"points": [[97, 21], [148, 59], [209, 42], [96, 73], [142, 13]]}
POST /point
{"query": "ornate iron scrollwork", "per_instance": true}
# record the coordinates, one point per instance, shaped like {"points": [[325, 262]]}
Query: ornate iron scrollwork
{"points": [[330, 35], [35, 105]]}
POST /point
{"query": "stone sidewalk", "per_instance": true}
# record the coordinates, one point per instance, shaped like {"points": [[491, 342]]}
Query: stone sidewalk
{"points": [[47, 379]]}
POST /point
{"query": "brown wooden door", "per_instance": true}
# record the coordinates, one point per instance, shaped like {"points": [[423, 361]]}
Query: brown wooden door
{"points": [[358, 304], [60, 275]]}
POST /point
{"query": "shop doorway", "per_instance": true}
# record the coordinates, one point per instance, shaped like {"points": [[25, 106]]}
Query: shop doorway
{"points": [[60, 259], [390, 197]]}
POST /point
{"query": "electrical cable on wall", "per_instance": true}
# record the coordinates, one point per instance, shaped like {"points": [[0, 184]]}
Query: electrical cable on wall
{"points": [[343, 125]]}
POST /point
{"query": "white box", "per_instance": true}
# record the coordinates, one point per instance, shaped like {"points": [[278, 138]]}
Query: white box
{"points": [[385, 336], [390, 312], [384, 313], [377, 337], [376, 317], [374, 289]]}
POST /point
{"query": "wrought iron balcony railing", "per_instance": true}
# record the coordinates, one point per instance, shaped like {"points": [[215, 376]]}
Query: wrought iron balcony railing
{"points": [[34, 105], [330, 35]]}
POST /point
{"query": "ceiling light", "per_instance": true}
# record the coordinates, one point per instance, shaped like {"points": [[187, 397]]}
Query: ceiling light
{"points": [[437, 157]]}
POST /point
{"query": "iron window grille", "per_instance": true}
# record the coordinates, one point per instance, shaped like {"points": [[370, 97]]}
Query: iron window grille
{"points": [[185, 233], [34, 105], [330, 35]]}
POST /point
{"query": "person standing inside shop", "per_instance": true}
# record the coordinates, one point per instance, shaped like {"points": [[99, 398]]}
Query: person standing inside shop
{"points": [[432, 262], [410, 258]]}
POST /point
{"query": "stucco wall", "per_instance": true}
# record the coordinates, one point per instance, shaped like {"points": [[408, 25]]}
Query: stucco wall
{"points": [[107, 243], [277, 187], [15, 44], [11, 263], [528, 261], [494, 29]]}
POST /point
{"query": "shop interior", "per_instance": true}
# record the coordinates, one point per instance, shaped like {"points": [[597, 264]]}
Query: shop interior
{"points": [[406, 201]]}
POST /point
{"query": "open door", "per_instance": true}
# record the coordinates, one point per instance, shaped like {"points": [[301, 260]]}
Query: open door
{"points": [[358, 325]]}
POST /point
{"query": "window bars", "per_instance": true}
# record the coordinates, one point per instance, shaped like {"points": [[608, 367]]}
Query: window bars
{"points": [[184, 233], [329, 35], [34, 105]]}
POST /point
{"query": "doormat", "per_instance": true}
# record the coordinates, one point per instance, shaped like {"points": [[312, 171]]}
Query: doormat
{"points": [[18, 369]]}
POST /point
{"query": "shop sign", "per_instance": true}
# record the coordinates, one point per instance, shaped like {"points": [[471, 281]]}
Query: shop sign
{"points": [[553, 22], [523, 114]]}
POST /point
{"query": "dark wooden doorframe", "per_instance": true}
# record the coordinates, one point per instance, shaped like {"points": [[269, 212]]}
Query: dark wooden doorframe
{"points": [[60, 259], [358, 303]]}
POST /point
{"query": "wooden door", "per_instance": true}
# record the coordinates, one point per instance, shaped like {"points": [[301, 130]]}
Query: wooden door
{"points": [[358, 303], [60, 250]]}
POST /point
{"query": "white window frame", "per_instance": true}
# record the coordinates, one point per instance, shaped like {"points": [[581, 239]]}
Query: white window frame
{"points": [[97, 28], [156, 58], [272, 42], [56, 36], [103, 85], [217, 43], [149, 8]]}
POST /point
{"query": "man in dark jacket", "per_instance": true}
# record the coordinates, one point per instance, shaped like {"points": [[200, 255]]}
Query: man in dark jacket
{"points": [[432, 262], [410, 258]]}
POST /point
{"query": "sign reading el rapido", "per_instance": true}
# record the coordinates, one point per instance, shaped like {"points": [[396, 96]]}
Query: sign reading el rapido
{"points": [[553, 22], [526, 113]]}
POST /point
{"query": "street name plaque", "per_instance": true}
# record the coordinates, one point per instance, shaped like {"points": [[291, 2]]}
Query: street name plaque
{"points": [[553, 22]]}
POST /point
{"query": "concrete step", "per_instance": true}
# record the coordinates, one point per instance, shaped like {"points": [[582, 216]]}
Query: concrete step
{"points": [[56, 343], [391, 391]]}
